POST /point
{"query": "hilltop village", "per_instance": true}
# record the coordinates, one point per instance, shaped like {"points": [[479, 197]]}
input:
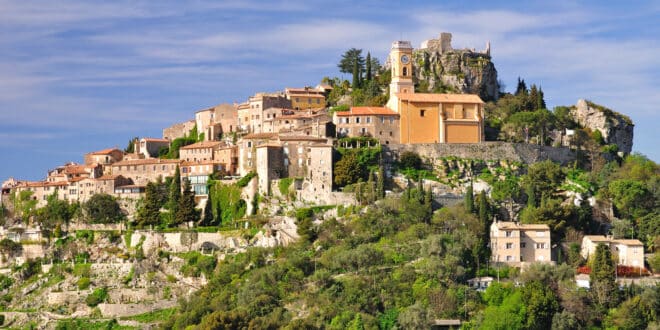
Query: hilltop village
{"points": [[279, 163]]}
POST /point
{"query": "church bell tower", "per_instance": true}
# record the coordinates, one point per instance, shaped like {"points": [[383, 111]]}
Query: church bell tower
{"points": [[401, 63]]}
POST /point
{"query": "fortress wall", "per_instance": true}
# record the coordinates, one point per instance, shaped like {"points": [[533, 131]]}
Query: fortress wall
{"points": [[519, 152]]}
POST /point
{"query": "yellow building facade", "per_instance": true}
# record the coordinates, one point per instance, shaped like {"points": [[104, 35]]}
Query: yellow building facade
{"points": [[428, 117]]}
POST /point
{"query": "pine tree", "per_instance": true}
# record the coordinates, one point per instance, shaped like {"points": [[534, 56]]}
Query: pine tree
{"points": [[186, 210], [469, 199], [175, 192], [483, 209], [368, 63]]}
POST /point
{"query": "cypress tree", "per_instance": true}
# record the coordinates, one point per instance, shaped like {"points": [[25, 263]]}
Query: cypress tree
{"points": [[175, 192], [186, 210], [208, 211], [368, 76], [603, 277], [356, 76], [149, 212], [540, 102], [380, 185], [483, 209], [469, 199]]}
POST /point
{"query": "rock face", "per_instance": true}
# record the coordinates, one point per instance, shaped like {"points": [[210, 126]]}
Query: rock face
{"points": [[440, 68], [613, 126]]}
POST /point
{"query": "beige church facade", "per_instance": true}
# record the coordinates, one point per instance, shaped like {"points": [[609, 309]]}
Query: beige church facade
{"points": [[430, 117]]}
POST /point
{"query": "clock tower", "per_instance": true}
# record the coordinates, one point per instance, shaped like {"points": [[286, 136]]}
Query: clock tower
{"points": [[401, 63]]}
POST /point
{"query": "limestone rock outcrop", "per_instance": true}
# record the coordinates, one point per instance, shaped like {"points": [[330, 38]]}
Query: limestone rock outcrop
{"points": [[440, 68], [613, 126]]}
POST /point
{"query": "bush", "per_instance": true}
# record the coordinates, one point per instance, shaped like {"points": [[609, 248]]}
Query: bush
{"points": [[243, 182], [83, 283], [98, 296], [410, 160], [5, 282]]}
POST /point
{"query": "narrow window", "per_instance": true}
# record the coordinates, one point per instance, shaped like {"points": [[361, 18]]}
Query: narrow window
{"points": [[405, 71], [422, 113]]}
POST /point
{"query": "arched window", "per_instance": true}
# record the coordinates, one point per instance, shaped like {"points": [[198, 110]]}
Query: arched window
{"points": [[405, 71]]}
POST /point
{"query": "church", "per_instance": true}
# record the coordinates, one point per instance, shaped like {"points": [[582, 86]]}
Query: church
{"points": [[431, 117]]}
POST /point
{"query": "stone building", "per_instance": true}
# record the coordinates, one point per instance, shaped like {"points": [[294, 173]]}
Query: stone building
{"points": [[247, 151], [629, 252], [251, 114], [294, 122], [150, 147], [200, 151], [178, 130], [306, 98], [143, 171], [306, 158], [378, 122], [197, 173], [216, 121], [228, 156], [516, 244], [104, 157]]}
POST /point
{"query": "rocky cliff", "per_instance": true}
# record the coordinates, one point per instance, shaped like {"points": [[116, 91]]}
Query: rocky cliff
{"points": [[613, 126], [440, 68]]}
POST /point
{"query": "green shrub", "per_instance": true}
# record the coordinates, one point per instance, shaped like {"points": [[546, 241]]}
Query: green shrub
{"points": [[98, 296], [243, 182], [83, 283]]}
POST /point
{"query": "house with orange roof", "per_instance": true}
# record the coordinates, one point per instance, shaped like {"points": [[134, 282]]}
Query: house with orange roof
{"points": [[143, 171], [305, 98], [629, 252], [104, 157], [516, 244], [378, 122]]}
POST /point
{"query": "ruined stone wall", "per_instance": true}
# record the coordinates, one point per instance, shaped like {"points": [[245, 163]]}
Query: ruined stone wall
{"points": [[519, 152], [178, 130]]}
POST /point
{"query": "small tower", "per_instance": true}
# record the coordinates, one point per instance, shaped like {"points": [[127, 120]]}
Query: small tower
{"points": [[402, 82]]}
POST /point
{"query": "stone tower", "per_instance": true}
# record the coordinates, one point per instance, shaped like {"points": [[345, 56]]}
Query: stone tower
{"points": [[401, 62]]}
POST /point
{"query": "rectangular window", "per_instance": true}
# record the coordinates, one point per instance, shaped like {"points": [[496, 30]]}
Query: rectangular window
{"points": [[357, 120], [509, 246], [509, 258], [368, 120], [422, 113], [523, 245], [509, 233]]}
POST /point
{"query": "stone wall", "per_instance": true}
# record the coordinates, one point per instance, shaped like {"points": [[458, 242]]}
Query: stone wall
{"points": [[178, 130], [519, 152], [120, 310]]}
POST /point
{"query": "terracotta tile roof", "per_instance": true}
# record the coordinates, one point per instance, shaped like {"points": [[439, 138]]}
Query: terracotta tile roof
{"points": [[203, 144], [75, 169], [597, 238], [155, 140], [440, 98], [252, 136], [201, 162], [270, 144], [104, 151], [108, 177], [627, 241], [513, 225], [148, 161], [302, 138], [367, 111]]}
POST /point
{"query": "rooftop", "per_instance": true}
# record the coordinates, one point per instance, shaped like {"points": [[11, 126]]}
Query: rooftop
{"points": [[203, 144], [148, 161], [440, 98], [367, 111], [104, 151], [517, 226]]}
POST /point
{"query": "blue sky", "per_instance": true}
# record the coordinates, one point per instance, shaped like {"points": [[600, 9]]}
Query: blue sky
{"points": [[78, 76]]}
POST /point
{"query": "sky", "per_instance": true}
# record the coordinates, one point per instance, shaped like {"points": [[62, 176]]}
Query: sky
{"points": [[80, 76]]}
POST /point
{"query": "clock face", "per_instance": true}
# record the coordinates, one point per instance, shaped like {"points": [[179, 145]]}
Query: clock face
{"points": [[405, 59]]}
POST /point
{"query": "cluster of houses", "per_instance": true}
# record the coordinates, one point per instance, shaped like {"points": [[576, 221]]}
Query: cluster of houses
{"points": [[290, 134]]}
